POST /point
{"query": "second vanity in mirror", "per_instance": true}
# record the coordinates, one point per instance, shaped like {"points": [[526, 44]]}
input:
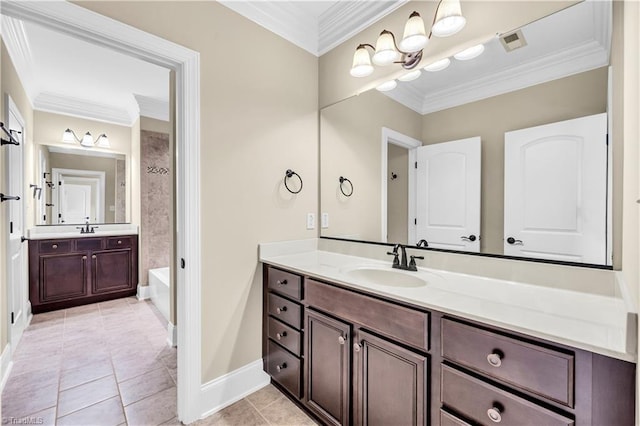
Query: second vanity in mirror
{"points": [[506, 154]]}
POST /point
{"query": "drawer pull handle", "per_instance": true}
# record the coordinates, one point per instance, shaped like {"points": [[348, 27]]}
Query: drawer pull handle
{"points": [[281, 310], [281, 335], [55, 246], [494, 359], [341, 340], [281, 366], [283, 282], [357, 347], [494, 414], [119, 241]]}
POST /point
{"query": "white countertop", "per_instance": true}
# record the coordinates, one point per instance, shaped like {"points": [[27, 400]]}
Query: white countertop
{"points": [[70, 231], [600, 324]]}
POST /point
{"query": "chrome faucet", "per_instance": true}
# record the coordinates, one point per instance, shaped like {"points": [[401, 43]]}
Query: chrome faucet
{"points": [[400, 259]]}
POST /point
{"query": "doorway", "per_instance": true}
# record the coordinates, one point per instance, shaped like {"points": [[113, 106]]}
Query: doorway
{"points": [[82, 23]]}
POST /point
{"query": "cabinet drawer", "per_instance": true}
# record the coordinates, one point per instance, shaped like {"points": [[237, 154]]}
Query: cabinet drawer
{"points": [[86, 244], [284, 335], [284, 368], [401, 324], [285, 283], [285, 310], [119, 242], [534, 368], [486, 404], [447, 419], [55, 246]]}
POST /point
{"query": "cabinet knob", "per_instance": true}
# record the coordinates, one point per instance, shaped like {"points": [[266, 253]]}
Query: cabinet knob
{"points": [[119, 241], [283, 282], [84, 257], [281, 335], [281, 366], [341, 340], [93, 256], [494, 414], [495, 359], [357, 347], [55, 246], [281, 310]]}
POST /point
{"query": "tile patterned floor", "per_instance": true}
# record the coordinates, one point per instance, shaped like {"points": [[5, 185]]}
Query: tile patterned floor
{"points": [[109, 364]]}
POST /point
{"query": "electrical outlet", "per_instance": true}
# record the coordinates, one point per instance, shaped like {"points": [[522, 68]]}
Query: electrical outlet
{"points": [[311, 221], [325, 220]]}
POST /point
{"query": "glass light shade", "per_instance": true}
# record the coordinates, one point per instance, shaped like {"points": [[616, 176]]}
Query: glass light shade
{"points": [[470, 53], [449, 19], [386, 52], [415, 37], [361, 63], [67, 136], [103, 141], [410, 76], [386, 86], [87, 140], [438, 65]]}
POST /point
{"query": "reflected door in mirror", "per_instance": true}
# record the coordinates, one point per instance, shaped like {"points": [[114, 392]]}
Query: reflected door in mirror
{"points": [[556, 191]]}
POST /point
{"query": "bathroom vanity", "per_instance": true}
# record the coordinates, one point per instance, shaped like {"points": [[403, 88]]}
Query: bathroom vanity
{"points": [[351, 348], [70, 271]]}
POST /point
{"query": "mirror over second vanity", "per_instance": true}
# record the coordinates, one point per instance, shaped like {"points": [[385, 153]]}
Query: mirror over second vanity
{"points": [[510, 153]]}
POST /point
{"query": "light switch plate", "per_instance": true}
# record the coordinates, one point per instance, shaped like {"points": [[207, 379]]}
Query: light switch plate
{"points": [[311, 221], [325, 220]]}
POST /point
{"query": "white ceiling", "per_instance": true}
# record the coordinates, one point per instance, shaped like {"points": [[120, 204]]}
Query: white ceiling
{"points": [[67, 75]]}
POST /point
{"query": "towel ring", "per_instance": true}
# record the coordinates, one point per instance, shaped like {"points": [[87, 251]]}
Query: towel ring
{"points": [[289, 174], [343, 180]]}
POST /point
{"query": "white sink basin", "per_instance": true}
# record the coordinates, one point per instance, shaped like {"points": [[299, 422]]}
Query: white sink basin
{"points": [[386, 276]]}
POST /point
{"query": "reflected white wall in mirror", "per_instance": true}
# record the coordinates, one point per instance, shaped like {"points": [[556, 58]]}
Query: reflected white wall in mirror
{"points": [[467, 99]]}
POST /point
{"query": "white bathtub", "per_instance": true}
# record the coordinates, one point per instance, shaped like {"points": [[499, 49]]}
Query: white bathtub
{"points": [[159, 288]]}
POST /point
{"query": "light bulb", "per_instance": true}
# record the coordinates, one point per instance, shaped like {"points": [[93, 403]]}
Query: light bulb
{"points": [[415, 37], [103, 141], [449, 19], [87, 140], [386, 52], [67, 136], [361, 63]]}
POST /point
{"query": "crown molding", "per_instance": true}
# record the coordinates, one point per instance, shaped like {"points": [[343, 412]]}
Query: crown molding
{"points": [[66, 105], [286, 19], [15, 38], [345, 19], [152, 107]]}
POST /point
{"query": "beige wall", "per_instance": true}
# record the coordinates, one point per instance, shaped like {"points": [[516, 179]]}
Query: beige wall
{"points": [[351, 142], [259, 118], [336, 84], [397, 194], [570, 97], [154, 125], [10, 85]]}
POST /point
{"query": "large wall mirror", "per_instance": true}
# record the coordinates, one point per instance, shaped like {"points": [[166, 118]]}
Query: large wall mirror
{"points": [[503, 154], [80, 185]]}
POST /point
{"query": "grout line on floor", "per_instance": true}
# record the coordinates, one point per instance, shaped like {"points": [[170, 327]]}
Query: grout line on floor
{"points": [[259, 411]]}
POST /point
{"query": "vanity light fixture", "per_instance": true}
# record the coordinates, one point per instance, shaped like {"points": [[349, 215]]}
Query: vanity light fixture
{"points": [[69, 136], [408, 53], [438, 65], [470, 53], [387, 85]]}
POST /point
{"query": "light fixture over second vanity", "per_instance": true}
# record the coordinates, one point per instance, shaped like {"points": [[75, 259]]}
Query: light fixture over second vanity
{"points": [[69, 136], [448, 21]]}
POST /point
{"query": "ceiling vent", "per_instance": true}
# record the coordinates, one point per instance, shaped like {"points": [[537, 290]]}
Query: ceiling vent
{"points": [[513, 41]]}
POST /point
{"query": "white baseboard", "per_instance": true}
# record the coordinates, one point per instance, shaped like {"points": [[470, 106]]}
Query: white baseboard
{"points": [[144, 292], [5, 366], [172, 335], [232, 387]]}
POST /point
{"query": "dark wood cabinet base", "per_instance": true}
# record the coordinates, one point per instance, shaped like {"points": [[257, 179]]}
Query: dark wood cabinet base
{"points": [[39, 309]]}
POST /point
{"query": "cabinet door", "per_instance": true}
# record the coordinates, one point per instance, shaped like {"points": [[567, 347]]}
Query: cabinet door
{"points": [[328, 367], [62, 277], [391, 383], [112, 271]]}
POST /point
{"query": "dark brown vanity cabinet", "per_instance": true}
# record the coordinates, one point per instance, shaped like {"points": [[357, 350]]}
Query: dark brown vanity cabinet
{"points": [[370, 360], [76, 271]]}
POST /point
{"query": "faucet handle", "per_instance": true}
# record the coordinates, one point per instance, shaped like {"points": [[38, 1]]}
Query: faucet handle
{"points": [[396, 260], [412, 262]]}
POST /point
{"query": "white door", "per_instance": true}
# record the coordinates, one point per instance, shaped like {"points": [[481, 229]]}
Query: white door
{"points": [[448, 195], [555, 192], [75, 202], [16, 251]]}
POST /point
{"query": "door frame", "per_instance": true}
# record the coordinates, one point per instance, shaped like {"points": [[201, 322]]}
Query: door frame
{"points": [[89, 174], [12, 109], [76, 21], [390, 136]]}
